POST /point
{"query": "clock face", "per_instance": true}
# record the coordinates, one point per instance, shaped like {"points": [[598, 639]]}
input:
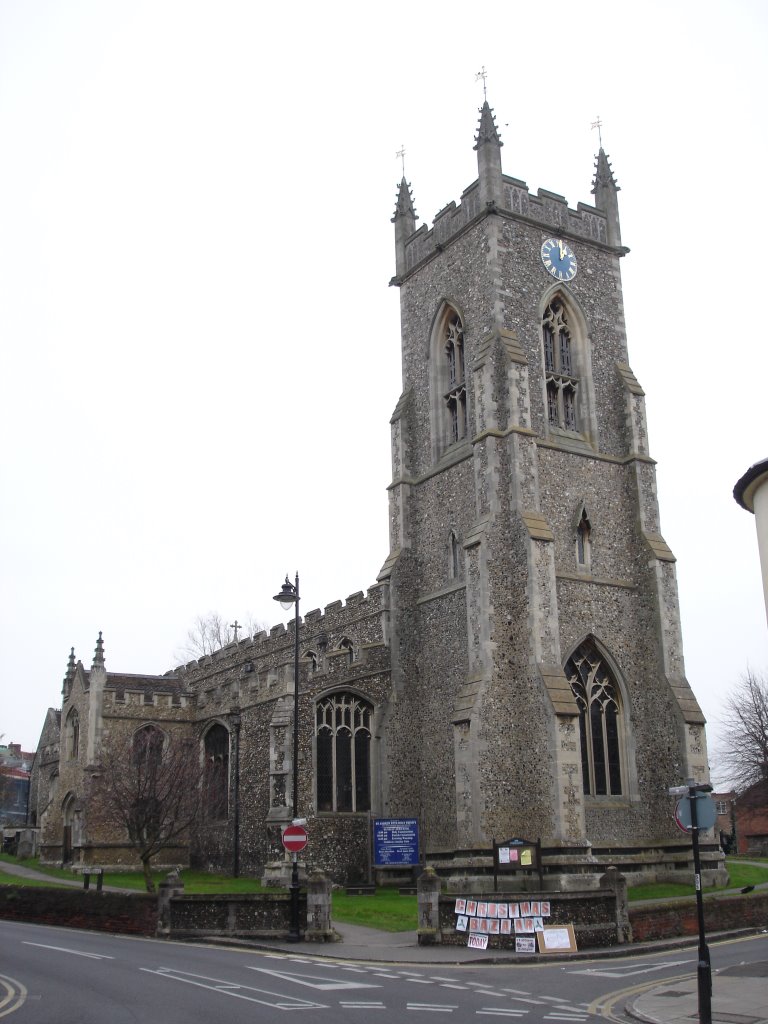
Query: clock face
{"points": [[559, 259]]}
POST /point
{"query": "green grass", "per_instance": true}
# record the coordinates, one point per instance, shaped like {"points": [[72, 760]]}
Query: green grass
{"points": [[387, 910], [739, 875], [194, 881]]}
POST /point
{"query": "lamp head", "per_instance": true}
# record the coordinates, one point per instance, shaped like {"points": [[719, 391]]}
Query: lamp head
{"points": [[287, 597]]}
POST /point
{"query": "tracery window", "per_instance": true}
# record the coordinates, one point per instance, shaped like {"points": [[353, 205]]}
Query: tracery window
{"points": [[216, 774], [561, 384], [343, 734], [456, 395], [597, 696], [73, 734]]}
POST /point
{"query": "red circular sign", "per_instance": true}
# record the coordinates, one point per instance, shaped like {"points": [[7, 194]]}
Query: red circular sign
{"points": [[294, 838]]}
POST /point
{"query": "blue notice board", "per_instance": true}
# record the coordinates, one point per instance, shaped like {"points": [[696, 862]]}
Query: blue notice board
{"points": [[395, 841]]}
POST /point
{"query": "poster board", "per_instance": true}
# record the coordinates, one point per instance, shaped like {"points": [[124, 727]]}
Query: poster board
{"points": [[516, 855], [556, 938]]}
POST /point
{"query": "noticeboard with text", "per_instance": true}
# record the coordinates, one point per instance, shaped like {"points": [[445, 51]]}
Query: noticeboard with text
{"points": [[395, 842]]}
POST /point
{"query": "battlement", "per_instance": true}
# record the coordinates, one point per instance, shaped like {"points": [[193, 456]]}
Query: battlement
{"points": [[547, 209], [354, 621]]}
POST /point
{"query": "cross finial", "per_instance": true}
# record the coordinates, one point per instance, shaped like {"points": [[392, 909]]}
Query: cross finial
{"points": [[401, 153], [482, 73], [598, 124], [235, 625]]}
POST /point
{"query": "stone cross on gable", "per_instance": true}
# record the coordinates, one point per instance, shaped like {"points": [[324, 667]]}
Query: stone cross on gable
{"points": [[235, 625]]}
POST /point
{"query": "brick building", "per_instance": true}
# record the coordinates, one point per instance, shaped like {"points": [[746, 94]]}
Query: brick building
{"points": [[517, 668]]}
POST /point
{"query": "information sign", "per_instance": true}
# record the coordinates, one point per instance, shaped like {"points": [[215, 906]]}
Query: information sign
{"points": [[395, 842]]}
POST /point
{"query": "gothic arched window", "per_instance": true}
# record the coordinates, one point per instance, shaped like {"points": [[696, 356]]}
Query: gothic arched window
{"points": [[311, 659], [559, 363], [454, 556], [73, 735], [583, 536], [216, 774], [346, 644], [343, 734], [597, 696], [147, 749], [456, 395], [448, 384]]}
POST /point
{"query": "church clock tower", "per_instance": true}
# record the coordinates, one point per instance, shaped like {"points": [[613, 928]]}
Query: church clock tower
{"points": [[538, 680]]}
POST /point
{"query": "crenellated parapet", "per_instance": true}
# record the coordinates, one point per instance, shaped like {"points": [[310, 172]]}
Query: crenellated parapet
{"points": [[345, 638], [546, 209]]}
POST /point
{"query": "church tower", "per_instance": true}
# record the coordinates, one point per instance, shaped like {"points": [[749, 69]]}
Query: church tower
{"points": [[538, 685]]}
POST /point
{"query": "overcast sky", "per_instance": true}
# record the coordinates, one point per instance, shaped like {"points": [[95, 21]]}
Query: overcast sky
{"points": [[200, 350]]}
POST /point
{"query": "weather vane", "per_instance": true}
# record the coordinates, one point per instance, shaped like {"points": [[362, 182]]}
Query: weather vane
{"points": [[482, 73], [598, 124], [401, 153]]}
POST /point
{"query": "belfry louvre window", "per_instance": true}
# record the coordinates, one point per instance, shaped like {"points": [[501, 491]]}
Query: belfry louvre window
{"points": [[456, 396], [599, 720], [216, 774], [561, 384], [343, 731]]}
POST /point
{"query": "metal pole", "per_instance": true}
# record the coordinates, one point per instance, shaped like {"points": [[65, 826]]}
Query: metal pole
{"points": [[704, 970], [235, 719], [294, 935]]}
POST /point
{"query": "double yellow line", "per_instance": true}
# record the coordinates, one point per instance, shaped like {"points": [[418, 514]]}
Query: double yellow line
{"points": [[14, 996], [604, 1005]]}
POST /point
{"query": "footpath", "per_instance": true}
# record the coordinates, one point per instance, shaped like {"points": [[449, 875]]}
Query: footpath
{"points": [[739, 993]]}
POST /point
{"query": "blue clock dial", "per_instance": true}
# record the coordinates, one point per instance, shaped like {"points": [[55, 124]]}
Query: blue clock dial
{"points": [[559, 259]]}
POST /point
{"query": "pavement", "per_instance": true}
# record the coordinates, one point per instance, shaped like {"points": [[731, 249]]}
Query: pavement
{"points": [[739, 992]]}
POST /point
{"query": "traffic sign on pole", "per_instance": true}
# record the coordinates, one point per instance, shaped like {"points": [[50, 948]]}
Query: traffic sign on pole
{"points": [[294, 838], [706, 814]]}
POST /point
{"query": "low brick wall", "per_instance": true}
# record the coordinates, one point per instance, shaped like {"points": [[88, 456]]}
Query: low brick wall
{"points": [[249, 915], [592, 913], [78, 908], [679, 917]]}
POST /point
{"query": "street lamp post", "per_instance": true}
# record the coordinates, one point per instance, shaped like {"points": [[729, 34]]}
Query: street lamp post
{"points": [[289, 595]]}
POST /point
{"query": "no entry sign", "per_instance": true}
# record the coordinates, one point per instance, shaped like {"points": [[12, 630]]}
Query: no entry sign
{"points": [[294, 838]]}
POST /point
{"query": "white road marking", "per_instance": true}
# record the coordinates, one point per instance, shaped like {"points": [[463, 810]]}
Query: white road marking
{"points": [[420, 981], [321, 984], [461, 988], [432, 1007], [361, 1006], [490, 1011], [224, 988], [75, 952], [627, 970]]}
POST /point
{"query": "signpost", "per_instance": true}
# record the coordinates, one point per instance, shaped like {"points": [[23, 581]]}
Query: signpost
{"points": [[693, 813]]}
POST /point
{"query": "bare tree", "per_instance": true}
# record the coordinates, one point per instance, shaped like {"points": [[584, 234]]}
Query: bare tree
{"points": [[150, 786], [742, 753], [211, 632]]}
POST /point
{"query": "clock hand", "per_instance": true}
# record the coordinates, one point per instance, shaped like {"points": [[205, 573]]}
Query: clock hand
{"points": [[562, 249]]}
